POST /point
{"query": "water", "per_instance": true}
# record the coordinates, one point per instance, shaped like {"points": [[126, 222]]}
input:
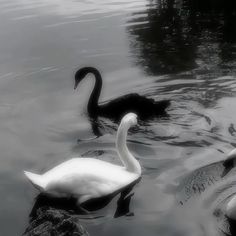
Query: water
{"points": [[185, 53]]}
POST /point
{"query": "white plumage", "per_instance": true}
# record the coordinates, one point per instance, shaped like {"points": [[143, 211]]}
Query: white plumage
{"points": [[231, 205], [88, 178]]}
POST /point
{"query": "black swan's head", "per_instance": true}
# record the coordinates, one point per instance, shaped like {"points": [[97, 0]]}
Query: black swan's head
{"points": [[81, 74]]}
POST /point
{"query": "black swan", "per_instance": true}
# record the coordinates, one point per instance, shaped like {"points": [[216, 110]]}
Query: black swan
{"points": [[144, 107]]}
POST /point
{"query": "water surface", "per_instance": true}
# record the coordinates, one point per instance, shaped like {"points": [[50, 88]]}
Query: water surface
{"points": [[184, 52]]}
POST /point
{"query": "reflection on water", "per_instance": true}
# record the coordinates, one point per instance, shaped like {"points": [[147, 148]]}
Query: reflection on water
{"points": [[161, 49], [174, 36]]}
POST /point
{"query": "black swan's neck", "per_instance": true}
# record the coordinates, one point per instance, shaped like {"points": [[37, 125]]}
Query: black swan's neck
{"points": [[93, 100]]}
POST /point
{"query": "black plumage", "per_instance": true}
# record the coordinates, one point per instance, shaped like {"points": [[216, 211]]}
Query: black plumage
{"points": [[115, 109]]}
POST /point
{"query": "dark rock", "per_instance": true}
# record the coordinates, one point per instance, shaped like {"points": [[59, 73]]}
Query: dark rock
{"points": [[51, 221]]}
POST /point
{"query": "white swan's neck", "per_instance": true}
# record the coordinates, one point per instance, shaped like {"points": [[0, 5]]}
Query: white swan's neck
{"points": [[129, 161]]}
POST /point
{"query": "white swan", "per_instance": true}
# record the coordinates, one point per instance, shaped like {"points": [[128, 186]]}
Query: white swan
{"points": [[231, 205], [230, 162], [88, 178], [231, 208]]}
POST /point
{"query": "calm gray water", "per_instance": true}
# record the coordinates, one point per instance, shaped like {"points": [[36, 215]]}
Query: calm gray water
{"points": [[186, 53]]}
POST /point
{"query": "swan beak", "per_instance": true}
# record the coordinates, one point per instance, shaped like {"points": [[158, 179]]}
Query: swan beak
{"points": [[76, 85], [228, 165]]}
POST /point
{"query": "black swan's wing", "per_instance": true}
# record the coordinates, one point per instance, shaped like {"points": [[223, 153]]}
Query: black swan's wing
{"points": [[132, 98], [142, 106]]}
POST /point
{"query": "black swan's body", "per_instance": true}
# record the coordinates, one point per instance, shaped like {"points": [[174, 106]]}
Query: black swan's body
{"points": [[144, 107]]}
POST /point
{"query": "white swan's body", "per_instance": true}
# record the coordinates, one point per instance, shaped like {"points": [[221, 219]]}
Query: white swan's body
{"points": [[231, 208], [88, 178], [231, 205]]}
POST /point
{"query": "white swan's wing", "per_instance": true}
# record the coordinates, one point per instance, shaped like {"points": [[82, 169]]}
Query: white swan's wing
{"points": [[80, 185], [87, 178]]}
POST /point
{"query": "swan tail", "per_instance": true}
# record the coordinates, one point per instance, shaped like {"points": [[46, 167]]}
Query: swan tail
{"points": [[162, 105], [166, 103], [36, 180]]}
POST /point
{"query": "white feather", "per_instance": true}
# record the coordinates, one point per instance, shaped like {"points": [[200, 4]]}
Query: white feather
{"points": [[88, 178]]}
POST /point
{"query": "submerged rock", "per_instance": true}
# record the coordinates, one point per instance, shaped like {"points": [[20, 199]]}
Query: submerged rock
{"points": [[48, 220]]}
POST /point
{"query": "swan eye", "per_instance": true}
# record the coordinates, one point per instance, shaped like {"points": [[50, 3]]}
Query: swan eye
{"points": [[134, 121], [83, 74]]}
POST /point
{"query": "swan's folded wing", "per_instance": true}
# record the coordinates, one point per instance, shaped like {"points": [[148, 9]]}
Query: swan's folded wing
{"points": [[92, 183], [87, 176], [131, 99], [80, 185]]}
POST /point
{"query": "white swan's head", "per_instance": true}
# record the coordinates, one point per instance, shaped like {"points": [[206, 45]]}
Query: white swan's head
{"points": [[232, 154], [230, 162], [231, 208], [129, 119]]}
